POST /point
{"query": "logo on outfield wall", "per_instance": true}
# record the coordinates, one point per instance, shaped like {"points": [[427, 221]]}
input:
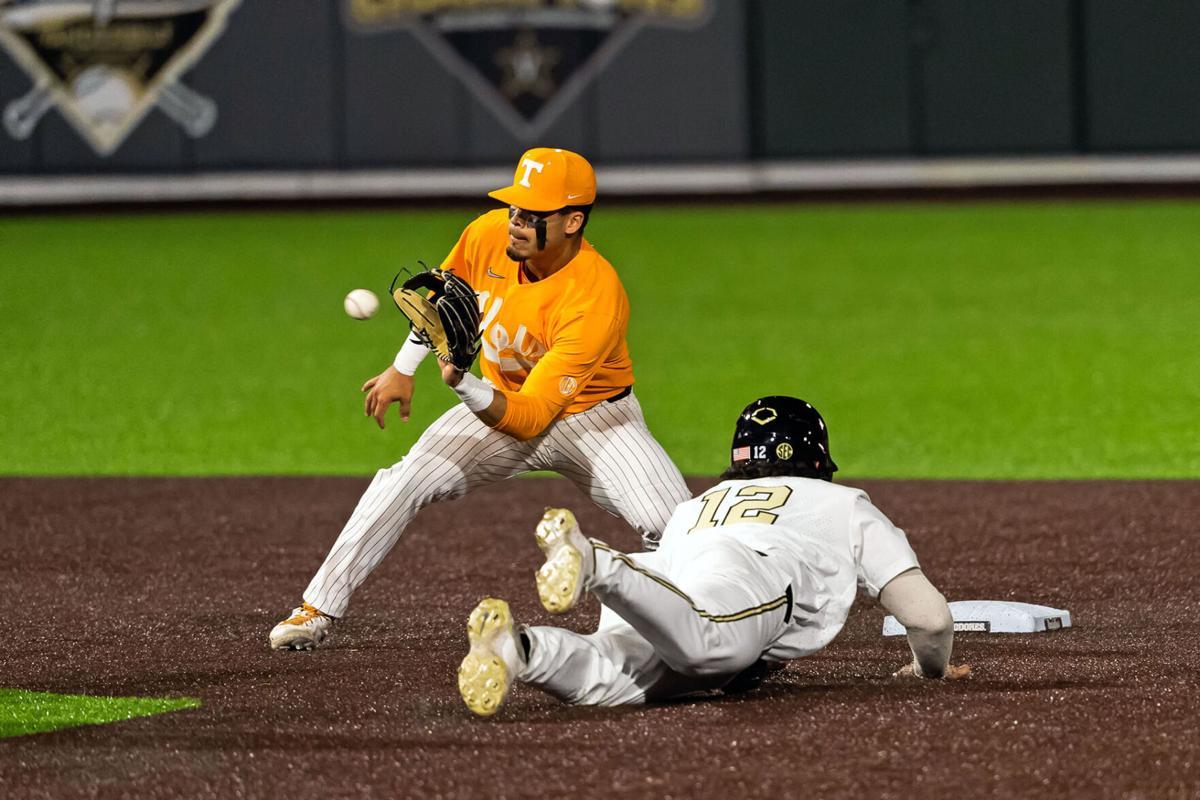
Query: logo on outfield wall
{"points": [[106, 63], [526, 60]]}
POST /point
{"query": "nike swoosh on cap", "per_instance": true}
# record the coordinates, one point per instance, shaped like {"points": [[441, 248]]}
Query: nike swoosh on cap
{"points": [[573, 196]]}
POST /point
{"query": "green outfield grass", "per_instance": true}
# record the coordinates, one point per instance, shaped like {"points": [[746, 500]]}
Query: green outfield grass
{"points": [[24, 712], [979, 340]]}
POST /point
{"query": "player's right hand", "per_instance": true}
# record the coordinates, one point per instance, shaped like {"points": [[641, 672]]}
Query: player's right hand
{"points": [[956, 671], [389, 386], [953, 672]]}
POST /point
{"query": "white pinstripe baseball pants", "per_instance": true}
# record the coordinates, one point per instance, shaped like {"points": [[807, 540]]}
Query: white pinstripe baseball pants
{"points": [[607, 451]]}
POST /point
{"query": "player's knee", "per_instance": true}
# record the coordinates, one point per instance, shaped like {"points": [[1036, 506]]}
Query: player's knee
{"points": [[649, 512], [411, 477]]}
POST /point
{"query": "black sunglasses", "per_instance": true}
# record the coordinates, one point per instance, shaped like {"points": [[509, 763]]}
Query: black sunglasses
{"points": [[531, 219]]}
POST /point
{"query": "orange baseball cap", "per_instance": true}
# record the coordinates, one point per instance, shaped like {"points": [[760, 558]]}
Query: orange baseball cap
{"points": [[548, 179]]}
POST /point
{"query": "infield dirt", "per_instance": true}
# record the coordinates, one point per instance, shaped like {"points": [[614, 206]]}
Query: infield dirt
{"points": [[161, 587]]}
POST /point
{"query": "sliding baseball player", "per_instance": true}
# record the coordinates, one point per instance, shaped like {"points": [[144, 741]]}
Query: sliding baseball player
{"points": [[556, 393], [758, 570]]}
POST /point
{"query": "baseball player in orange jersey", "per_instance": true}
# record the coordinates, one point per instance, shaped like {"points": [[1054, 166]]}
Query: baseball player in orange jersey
{"points": [[556, 392]]}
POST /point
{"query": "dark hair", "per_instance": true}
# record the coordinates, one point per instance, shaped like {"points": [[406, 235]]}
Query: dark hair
{"points": [[748, 470], [585, 210]]}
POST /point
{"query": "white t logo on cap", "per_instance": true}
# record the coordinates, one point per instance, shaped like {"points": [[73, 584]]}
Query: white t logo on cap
{"points": [[530, 165]]}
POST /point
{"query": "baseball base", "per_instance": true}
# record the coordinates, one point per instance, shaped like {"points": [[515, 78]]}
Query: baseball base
{"points": [[996, 616]]}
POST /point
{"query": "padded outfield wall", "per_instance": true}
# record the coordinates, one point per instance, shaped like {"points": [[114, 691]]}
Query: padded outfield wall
{"points": [[369, 84]]}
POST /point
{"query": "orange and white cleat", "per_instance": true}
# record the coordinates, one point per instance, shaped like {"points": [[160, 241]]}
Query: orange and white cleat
{"points": [[305, 629]]}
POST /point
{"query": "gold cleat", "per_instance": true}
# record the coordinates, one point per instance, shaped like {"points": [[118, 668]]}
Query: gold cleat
{"points": [[564, 576], [487, 672]]}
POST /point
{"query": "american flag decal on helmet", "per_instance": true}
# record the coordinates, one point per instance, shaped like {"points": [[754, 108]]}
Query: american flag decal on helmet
{"points": [[741, 454]]}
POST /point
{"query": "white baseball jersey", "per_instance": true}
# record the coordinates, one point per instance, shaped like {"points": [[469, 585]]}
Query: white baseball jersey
{"points": [[763, 568]]}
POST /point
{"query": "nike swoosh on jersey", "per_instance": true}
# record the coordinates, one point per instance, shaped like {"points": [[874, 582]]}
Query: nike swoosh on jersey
{"points": [[493, 275]]}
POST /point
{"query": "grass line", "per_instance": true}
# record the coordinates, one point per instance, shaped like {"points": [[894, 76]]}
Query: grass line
{"points": [[23, 712]]}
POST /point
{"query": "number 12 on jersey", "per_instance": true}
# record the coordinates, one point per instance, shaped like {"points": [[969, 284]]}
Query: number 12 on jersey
{"points": [[753, 504]]}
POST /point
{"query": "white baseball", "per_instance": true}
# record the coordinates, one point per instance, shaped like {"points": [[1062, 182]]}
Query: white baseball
{"points": [[361, 304]]}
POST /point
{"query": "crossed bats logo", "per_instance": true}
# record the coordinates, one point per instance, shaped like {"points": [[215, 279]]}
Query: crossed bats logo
{"points": [[525, 60], [106, 63]]}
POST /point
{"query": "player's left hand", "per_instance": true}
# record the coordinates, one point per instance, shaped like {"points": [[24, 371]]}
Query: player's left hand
{"points": [[953, 672], [446, 319]]}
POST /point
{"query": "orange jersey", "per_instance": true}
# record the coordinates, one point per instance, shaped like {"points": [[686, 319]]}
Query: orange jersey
{"points": [[555, 346]]}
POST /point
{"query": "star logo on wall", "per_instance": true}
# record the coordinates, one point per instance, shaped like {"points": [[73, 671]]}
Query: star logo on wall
{"points": [[526, 60], [527, 67]]}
